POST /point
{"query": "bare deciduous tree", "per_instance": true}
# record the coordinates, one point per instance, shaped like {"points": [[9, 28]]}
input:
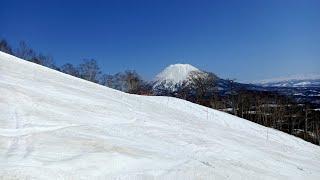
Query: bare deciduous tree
{"points": [[25, 52], [203, 84], [5, 47], [89, 70], [69, 69], [132, 80], [107, 80]]}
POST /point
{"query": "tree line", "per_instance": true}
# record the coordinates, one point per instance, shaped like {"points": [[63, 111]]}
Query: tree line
{"points": [[267, 108], [128, 81]]}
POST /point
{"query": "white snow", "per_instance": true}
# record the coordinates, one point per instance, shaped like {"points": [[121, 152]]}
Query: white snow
{"points": [[55, 126], [175, 73]]}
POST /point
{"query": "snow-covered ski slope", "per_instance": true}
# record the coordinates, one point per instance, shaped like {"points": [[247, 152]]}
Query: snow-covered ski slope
{"points": [[55, 126]]}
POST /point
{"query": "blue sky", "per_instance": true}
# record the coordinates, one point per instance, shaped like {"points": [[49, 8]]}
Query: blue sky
{"points": [[246, 40]]}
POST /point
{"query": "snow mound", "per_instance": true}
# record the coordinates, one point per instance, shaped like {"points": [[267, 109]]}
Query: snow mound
{"points": [[55, 126], [174, 74]]}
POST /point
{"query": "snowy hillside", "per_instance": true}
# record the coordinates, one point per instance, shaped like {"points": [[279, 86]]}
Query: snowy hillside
{"points": [[174, 74], [55, 126]]}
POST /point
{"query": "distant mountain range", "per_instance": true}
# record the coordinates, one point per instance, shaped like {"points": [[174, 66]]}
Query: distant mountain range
{"points": [[177, 73], [302, 88], [293, 81]]}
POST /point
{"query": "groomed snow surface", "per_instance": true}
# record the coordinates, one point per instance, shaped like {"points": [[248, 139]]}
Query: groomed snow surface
{"points": [[55, 126]]}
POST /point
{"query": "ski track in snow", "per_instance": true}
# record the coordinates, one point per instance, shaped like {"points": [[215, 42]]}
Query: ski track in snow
{"points": [[54, 126]]}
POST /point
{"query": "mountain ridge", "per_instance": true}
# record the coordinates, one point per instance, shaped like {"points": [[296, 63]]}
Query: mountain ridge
{"points": [[307, 80]]}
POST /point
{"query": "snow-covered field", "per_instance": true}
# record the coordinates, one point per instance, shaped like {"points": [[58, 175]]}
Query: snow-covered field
{"points": [[55, 126]]}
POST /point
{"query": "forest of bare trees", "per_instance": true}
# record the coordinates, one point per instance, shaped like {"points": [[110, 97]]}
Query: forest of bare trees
{"points": [[267, 108]]}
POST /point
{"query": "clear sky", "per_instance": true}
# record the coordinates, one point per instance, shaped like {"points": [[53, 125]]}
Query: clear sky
{"points": [[242, 39]]}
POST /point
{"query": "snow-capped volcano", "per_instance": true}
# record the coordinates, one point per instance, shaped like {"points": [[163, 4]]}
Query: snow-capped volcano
{"points": [[55, 126], [174, 74]]}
